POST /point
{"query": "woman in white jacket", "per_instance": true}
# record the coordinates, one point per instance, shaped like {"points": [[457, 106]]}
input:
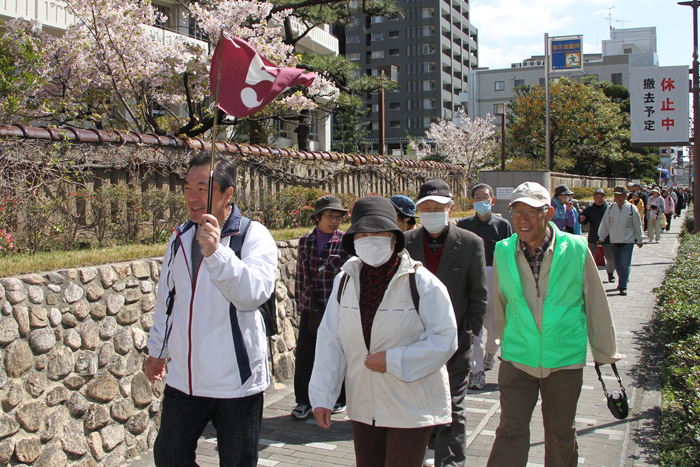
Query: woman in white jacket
{"points": [[655, 210], [391, 355]]}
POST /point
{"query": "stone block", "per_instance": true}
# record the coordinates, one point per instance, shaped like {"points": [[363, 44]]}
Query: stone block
{"points": [[105, 354], [80, 309], [18, 358], [42, 340], [73, 292], [32, 279], [73, 439], [115, 302], [131, 282], [122, 409], [90, 334], [103, 388], [8, 426], [140, 269], [108, 328], [141, 391], [61, 363], [55, 317], [87, 274], [147, 320], [129, 314], [138, 423], [70, 274], [36, 294], [54, 424], [112, 436], [9, 331], [56, 395], [125, 387], [117, 366], [21, 314], [7, 448], [123, 341], [40, 362], [38, 317], [77, 405], [94, 292], [107, 276], [94, 441], [36, 384], [51, 456], [85, 362], [6, 308], [119, 286], [148, 302], [97, 417], [74, 382], [123, 270], [14, 290], [132, 295], [69, 320], [98, 311], [72, 339], [14, 396], [28, 449], [53, 288], [140, 338], [155, 270], [30, 416], [146, 287]]}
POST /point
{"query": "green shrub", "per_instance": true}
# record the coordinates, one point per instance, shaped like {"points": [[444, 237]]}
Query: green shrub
{"points": [[586, 193], [679, 313]]}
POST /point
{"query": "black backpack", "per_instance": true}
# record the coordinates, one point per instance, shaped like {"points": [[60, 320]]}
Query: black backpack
{"points": [[267, 309]]}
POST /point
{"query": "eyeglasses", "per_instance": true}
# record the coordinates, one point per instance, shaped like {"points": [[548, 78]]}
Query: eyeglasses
{"points": [[333, 217], [530, 213]]}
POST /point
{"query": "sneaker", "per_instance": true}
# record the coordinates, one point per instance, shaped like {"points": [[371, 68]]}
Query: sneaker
{"points": [[623, 291], [611, 277], [301, 411], [429, 459], [489, 361], [477, 380], [339, 408]]}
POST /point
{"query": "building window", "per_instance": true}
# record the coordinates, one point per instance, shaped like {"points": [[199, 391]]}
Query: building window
{"points": [[393, 52], [375, 72], [428, 103], [426, 122], [542, 83], [428, 49], [395, 124], [428, 67], [378, 54], [627, 51], [393, 34], [429, 85], [616, 79], [428, 31], [500, 85], [428, 13], [377, 19], [352, 39], [375, 107], [355, 56], [409, 122], [519, 82], [379, 36], [394, 17], [375, 125]]}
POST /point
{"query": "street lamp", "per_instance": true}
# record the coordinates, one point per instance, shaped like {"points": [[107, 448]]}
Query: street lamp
{"points": [[694, 4], [501, 110]]}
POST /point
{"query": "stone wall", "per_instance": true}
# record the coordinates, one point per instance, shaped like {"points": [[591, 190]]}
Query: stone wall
{"points": [[73, 344]]}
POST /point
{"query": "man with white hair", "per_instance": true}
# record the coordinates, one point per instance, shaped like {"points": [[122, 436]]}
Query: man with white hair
{"points": [[457, 258], [549, 303]]}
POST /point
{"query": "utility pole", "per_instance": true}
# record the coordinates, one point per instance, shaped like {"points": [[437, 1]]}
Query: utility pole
{"points": [[549, 163], [694, 4]]}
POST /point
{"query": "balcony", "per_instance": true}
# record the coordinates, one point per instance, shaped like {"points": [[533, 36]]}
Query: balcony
{"points": [[318, 40], [47, 12]]}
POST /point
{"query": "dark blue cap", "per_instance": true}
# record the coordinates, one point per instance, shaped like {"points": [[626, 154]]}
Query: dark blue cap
{"points": [[404, 204]]}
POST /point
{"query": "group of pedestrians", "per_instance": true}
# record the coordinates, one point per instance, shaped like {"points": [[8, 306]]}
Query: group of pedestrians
{"points": [[391, 321]]}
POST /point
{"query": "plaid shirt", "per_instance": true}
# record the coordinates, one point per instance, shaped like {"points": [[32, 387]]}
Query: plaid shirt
{"points": [[535, 261], [324, 268]]}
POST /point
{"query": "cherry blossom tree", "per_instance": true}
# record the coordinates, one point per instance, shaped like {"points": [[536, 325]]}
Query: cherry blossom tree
{"points": [[107, 70], [469, 143]]}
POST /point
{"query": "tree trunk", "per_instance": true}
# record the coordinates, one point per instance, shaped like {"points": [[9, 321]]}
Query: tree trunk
{"points": [[257, 135], [303, 130]]}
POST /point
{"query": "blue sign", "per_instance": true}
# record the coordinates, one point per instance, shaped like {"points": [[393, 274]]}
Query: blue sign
{"points": [[566, 53]]}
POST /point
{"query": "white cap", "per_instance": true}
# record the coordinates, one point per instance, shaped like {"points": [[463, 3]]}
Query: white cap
{"points": [[531, 193]]}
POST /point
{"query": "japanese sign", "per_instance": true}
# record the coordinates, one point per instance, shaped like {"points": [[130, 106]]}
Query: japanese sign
{"points": [[566, 53], [659, 105]]}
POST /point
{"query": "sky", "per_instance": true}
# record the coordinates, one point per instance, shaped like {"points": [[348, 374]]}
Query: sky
{"points": [[513, 30]]}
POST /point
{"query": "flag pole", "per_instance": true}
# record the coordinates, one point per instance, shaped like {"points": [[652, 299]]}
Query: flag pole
{"points": [[215, 128]]}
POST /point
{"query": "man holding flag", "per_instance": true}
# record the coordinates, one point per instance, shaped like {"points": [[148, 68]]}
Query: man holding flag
{"points": [[207, 325]]}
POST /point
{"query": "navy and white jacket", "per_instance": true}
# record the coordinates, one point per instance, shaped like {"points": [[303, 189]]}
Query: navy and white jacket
{"points": [[214, 337]]}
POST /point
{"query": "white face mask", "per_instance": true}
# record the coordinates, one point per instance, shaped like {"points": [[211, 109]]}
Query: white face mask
{"points": [[434, 222], [374, 250]]}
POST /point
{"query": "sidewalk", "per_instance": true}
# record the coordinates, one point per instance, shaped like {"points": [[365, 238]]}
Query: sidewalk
{"points": [[603, 440]]}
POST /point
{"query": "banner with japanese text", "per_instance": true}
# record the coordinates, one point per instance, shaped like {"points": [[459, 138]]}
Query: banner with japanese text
{"points": [[659, 105]]}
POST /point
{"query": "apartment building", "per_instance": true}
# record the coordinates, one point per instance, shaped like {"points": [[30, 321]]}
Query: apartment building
{"points": [[488, 89], [432, 46], [177, 26]]}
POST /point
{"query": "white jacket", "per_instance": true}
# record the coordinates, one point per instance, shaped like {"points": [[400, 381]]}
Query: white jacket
{"points": [[624, 225], [209, 342], [414, 392]]}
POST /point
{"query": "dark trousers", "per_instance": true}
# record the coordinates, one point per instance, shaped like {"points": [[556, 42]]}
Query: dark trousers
{"points": [[304, 363], [622, 252], [560, 392], [389, 447], [184, 417], [451, 440], [669, 216]]}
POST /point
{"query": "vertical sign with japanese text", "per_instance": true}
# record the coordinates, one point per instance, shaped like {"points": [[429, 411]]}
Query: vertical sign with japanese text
{"points": [[659, 105], [566, 53]]}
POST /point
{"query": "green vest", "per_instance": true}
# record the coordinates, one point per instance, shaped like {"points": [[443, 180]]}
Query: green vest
{"points": [[564, 335]]}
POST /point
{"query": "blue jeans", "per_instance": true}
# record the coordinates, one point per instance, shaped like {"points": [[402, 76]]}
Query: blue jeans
{"points": [[622, 252], [184, 417]]}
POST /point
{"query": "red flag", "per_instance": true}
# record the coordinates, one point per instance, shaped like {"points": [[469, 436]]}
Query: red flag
{"points": [[249, 81]]}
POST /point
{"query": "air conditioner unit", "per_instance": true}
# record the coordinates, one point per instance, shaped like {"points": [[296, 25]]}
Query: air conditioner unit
{"points": [[533, 62], [516, 65]]}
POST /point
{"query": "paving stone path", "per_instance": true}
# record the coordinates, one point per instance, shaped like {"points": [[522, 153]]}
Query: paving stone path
{"points": [[603, 440]]}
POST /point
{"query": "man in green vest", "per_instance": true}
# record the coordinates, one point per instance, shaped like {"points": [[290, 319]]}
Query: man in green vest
{"points": [[549, 303]]}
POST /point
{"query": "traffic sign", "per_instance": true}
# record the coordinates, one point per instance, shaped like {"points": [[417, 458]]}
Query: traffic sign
{"points": [[566, 53]]}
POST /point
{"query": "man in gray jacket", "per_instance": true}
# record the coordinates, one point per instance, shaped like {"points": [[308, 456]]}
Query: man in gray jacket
{"points": [[457, 258]]}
